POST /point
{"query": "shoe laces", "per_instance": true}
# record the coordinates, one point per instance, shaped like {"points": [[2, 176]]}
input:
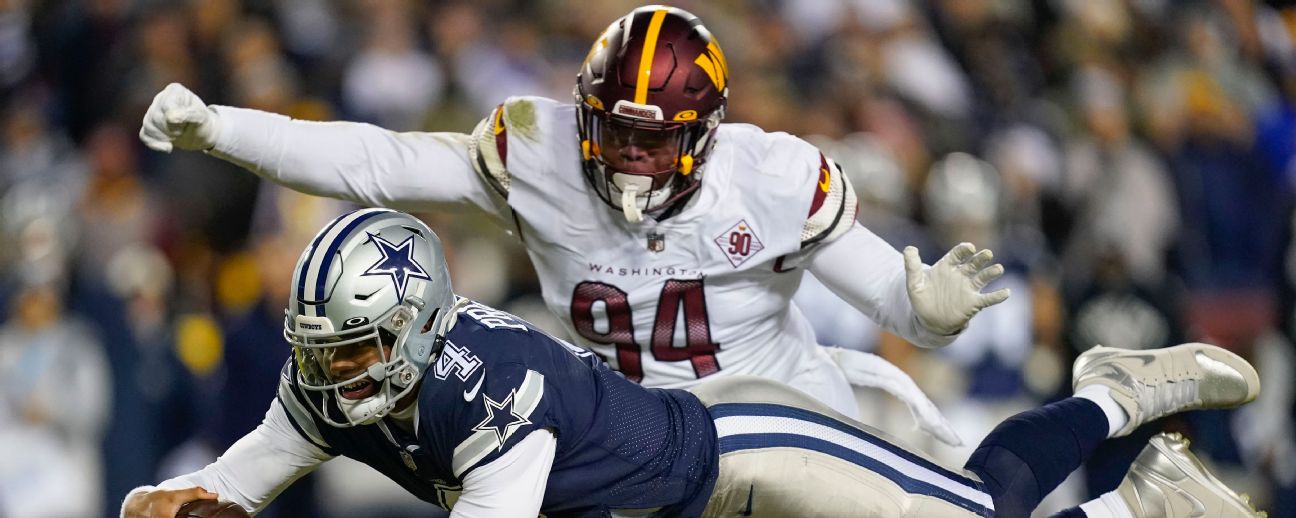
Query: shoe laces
{"points": [[1164, 398]]}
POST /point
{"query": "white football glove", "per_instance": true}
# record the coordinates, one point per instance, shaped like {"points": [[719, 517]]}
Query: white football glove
{"points": [[947, 295], [178, 118]]}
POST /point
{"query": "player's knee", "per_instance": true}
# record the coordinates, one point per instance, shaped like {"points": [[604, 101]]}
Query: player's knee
{"points": [[1008, 478]]}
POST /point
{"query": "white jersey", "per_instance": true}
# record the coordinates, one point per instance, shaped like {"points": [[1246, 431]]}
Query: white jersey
{"points": [[706, 292]]}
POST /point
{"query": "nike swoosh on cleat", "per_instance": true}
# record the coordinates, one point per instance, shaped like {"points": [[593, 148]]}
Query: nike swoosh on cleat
{"points": [[1198, 508], [470, 395]]}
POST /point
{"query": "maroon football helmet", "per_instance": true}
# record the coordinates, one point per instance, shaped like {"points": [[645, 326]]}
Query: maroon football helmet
{"points": [[650, 95]]}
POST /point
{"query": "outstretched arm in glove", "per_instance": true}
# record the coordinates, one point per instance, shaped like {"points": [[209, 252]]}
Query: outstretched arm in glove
{"points": [[928, 306]]}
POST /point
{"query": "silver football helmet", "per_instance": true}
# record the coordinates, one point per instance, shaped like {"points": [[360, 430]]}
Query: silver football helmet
{"points": [[372, 285]]}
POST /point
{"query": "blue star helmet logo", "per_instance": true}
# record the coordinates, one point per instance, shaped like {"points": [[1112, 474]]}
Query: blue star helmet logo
{"points": [[397, 262]]}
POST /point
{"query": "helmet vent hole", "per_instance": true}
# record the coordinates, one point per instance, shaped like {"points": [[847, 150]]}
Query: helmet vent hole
{"points": [[427, 326], [414, 230]]}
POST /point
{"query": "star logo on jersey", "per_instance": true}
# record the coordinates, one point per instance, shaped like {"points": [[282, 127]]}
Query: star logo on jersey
{"points": [[739, 243], [501, 418], [397, 262]]}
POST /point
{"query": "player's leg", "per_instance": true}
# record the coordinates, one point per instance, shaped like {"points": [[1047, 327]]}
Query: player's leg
{"points": [[783, 453], [1166, 480], [1117, 390]]}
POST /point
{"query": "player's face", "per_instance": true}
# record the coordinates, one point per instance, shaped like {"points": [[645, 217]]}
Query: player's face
{"points": [[640, 151], [349, 361]]}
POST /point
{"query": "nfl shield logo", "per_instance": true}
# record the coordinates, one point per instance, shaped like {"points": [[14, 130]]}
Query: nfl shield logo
{"points": [[656, 242]]}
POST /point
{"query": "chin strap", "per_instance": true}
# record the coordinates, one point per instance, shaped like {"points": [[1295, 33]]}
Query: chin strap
{"points": [[631, 186], [628, 205]]}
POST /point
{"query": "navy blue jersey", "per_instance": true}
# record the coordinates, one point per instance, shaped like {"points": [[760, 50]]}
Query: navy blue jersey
{"points": [[620, 446]]}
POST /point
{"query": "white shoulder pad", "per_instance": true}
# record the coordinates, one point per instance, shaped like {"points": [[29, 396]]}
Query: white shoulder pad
{"points": [[833, 208], [489, 150], [302, 418]]}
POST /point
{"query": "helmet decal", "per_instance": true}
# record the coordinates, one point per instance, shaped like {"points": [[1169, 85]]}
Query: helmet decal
{"points": [[713, 64], [316, 265], [397, 262]]}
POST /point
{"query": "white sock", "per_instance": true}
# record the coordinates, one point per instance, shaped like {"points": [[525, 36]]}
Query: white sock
{"points": [[1101, 396], [1109, 505]]}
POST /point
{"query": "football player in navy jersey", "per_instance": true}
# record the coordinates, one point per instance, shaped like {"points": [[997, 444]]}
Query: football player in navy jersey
{"points": [[477, 411]]}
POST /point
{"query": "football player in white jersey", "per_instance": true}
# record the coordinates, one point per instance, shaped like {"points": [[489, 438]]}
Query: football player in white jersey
{"points": [[665, 241]]}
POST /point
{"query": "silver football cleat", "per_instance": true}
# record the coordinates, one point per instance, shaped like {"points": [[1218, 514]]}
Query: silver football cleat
{"points": [[1168, 481], [1149, 384]]}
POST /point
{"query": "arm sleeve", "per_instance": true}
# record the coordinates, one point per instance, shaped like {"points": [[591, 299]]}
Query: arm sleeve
{"points": [[867, 272], [259, 466], [832, 206], [361, 163], [511, 485]]}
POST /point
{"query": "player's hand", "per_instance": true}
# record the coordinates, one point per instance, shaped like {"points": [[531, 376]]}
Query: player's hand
{"points": [[178, 118], [948, 294], [162, 503]]}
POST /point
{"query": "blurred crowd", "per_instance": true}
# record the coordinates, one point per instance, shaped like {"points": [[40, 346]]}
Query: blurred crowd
{"points": [[1129, 161]]}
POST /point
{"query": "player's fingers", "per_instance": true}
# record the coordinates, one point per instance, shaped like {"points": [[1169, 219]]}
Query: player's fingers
{"points": [[195, 493], [987, 276], [175, 95], [169, 503], [154, 139], [162, 98], [989, 299], [981, 259], [959, 254], [186, 115], [913, 266], [149, 128]]}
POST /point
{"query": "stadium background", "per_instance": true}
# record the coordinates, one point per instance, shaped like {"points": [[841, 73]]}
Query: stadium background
{"points": [[1129, 160]]}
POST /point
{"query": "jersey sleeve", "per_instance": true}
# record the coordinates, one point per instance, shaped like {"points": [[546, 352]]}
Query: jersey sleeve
{"points": [[489, 151], [259, 466], [489, 418], [868, 273], [832, 205], [361, 163], [299, 417], [511, 485]]}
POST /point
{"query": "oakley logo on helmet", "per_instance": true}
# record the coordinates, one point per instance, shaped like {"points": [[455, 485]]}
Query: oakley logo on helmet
{"points": [[355, 322]]}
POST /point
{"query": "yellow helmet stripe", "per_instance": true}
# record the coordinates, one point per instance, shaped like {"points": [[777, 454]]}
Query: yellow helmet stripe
{"points": [[713, 63], [707, 65], [714, 48], [646, 59]]}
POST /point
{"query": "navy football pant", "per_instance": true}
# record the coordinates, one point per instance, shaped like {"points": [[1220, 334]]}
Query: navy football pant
{"points": [[1031, 453]]}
